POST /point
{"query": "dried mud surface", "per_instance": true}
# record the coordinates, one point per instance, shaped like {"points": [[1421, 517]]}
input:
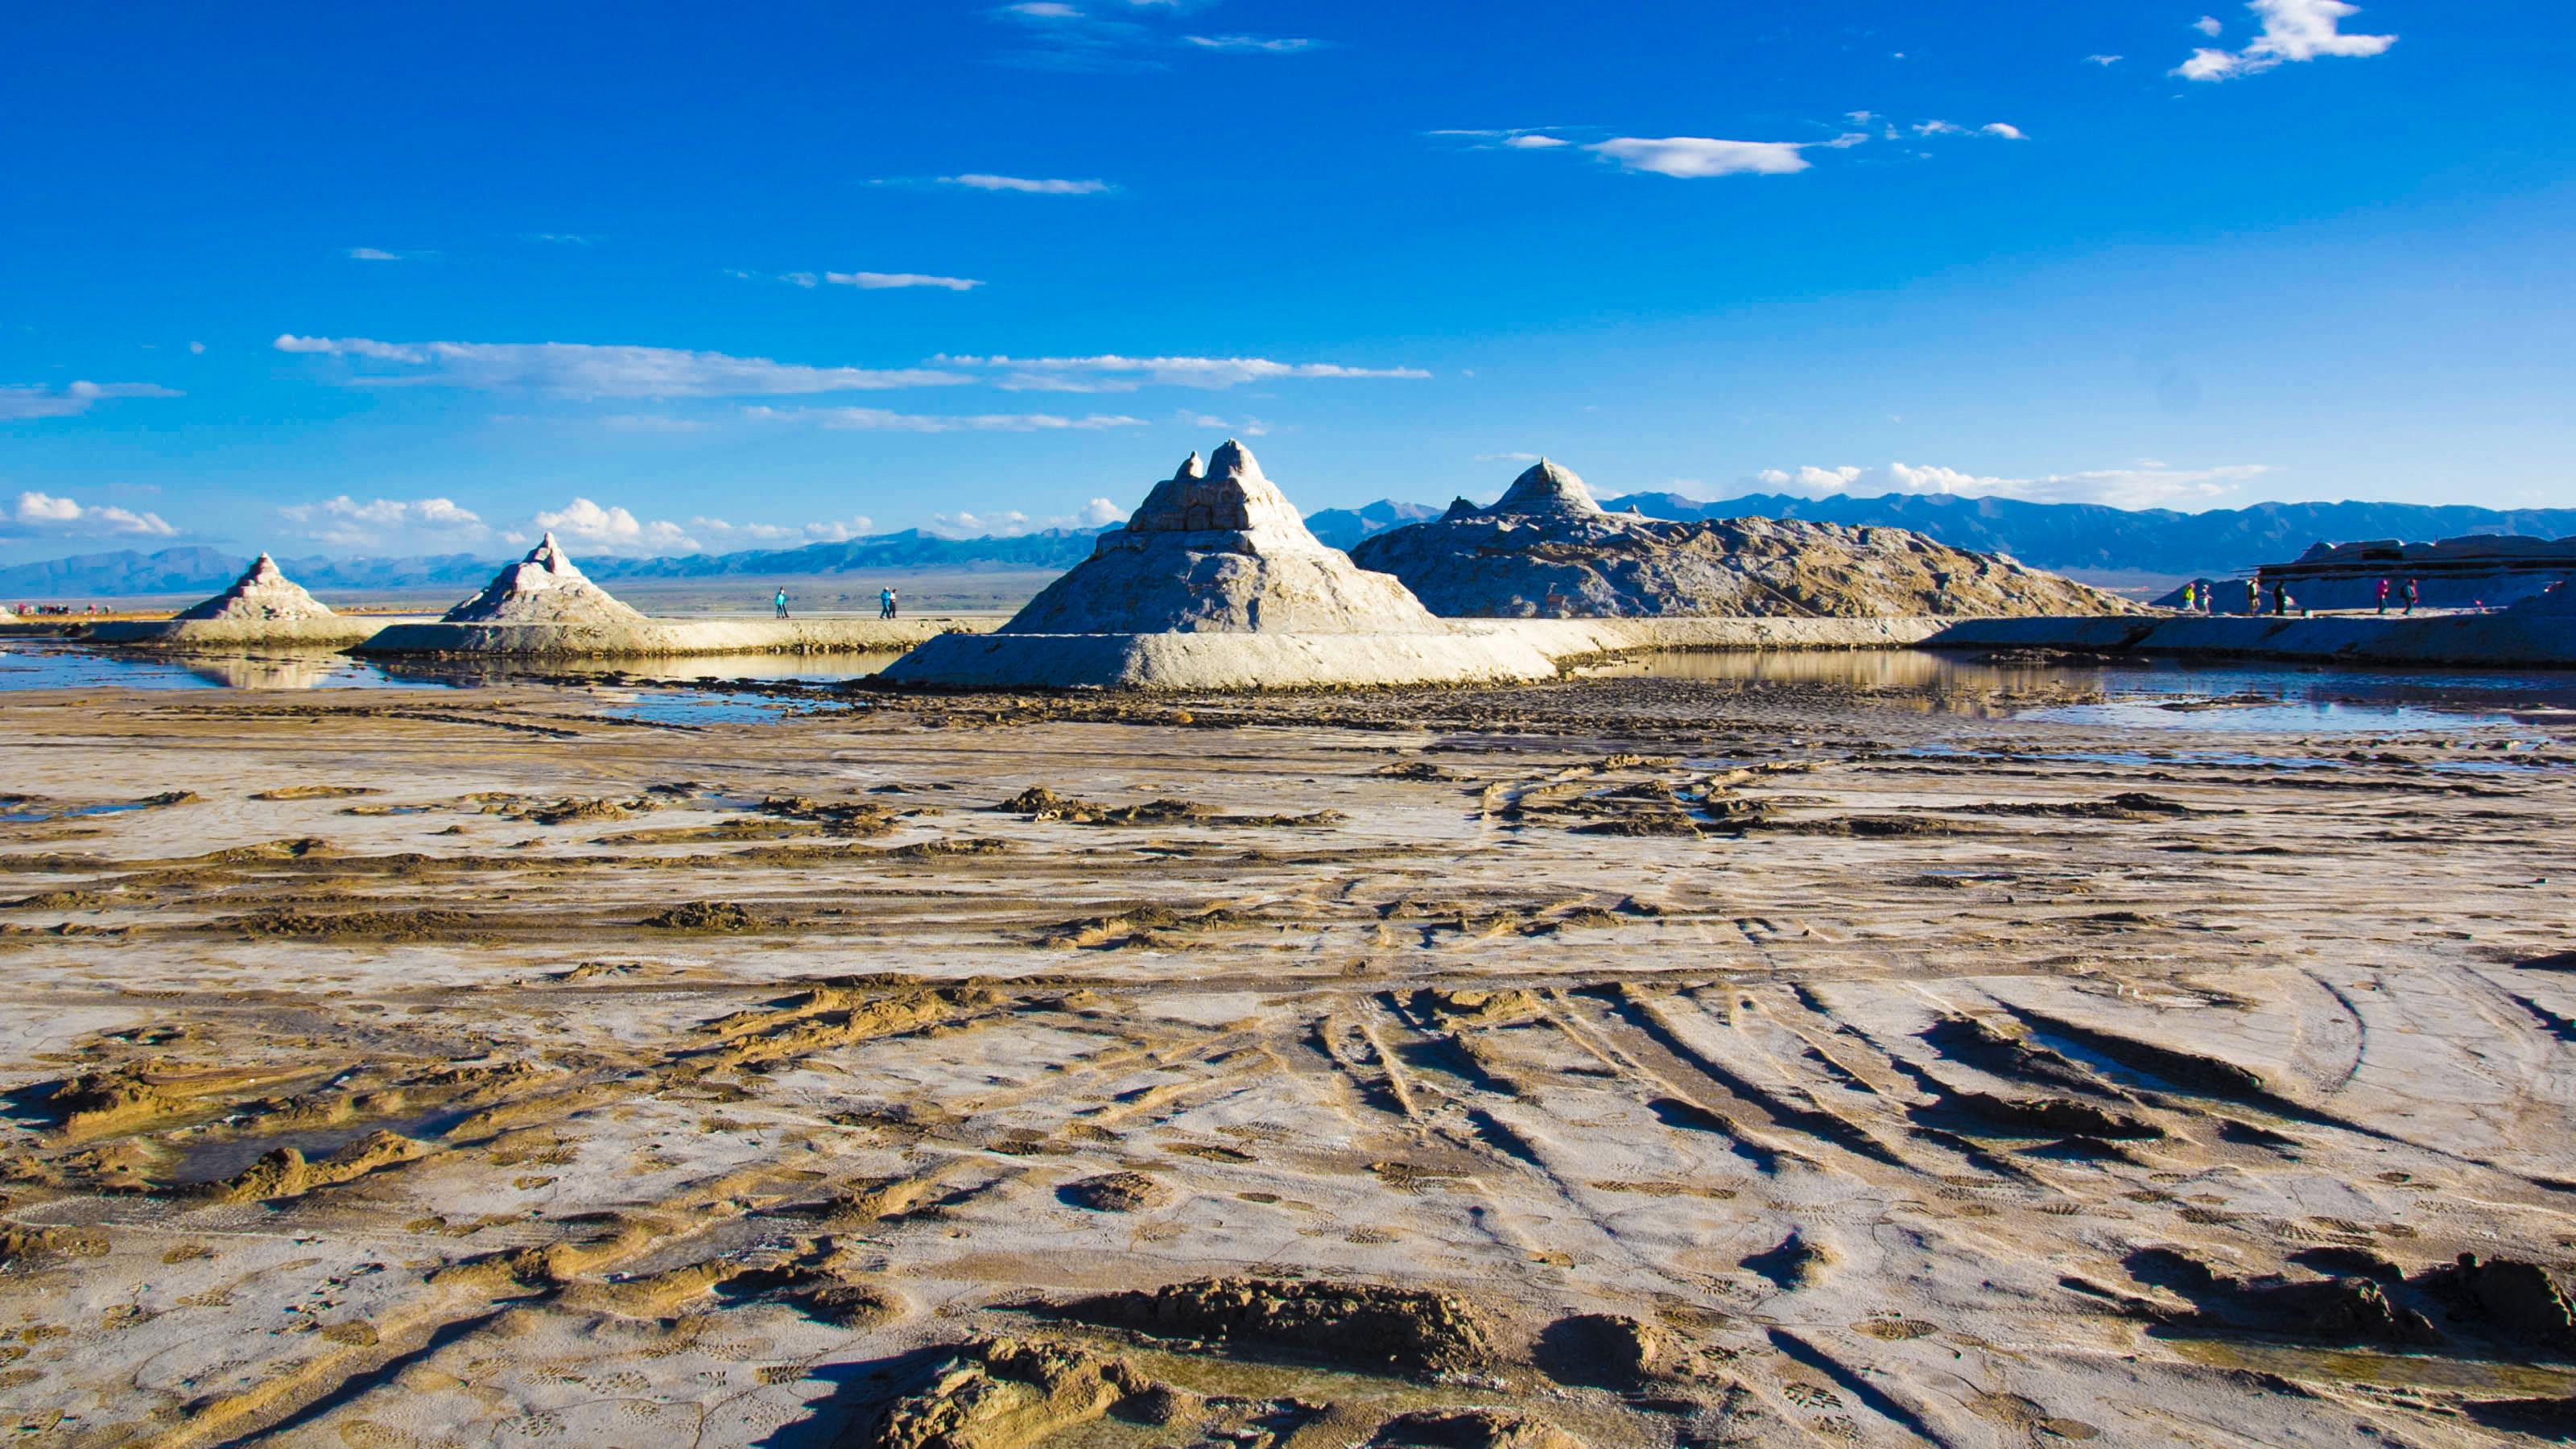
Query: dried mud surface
{"points": [[1624, 1062]]}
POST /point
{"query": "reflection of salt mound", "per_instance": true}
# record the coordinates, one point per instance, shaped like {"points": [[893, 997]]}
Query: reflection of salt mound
{"points": [[1547, 550], [1216, 583], [1218, 549], [543, 588], [263, 592]]}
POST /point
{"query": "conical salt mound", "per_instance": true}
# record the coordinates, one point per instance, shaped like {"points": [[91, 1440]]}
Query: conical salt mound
{"points": [[263, 592], [1547, 489], [1216, 583], [1219, 549], [543, 588]]}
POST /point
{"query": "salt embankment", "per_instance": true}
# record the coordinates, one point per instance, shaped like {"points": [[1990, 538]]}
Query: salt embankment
{"points": [[1216, 583], [1547, 550], [262, 607], [544, 606]]}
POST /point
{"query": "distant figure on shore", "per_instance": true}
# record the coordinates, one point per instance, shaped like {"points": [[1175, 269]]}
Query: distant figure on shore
{"points": [[2412, 593], [2190, 592], [885, 603], [2253, 597], [781, 601], [2281, 598], [2383, 596]]}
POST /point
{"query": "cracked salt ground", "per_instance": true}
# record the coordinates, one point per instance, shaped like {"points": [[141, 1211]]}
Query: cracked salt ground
{"points": [[1350, 1069]]}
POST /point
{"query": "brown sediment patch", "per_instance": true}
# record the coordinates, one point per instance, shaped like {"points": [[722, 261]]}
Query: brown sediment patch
{"points": [[999, 1393], [314, 792], [285, 1173], [425, 924], [1040, 803], [706, 918], [1407, 1330]]}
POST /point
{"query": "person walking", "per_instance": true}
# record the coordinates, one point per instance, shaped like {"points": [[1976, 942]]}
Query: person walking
{"points": [[2253, 598], [2412, 594], [886, 602], [2190, 591], [782, 601], [2383, 596], [2281, 598]]}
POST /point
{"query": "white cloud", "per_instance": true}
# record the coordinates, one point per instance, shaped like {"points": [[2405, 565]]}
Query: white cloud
{"points": [[577, 369], [614, 530], [2293, 30], [373, 254], [1035, 186], [1045, 10], [837, 530], [344, 522], [74, 398], [1507, 457], [1938, 128], [197, 348], [879, 420], [558, 238], [2148, 485], [1700, 156], [2208, 25], [2002, 130], [65, 515], [2104, 59], [1245, 428], [1111, 372], [1846, 141], [1273, 45], [877, 281], [1534, 142], [1097, 513]]}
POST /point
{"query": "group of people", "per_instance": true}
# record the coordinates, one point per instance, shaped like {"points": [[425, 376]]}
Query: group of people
{"points": [[2199, 598], [54, 610], [886, 601]]}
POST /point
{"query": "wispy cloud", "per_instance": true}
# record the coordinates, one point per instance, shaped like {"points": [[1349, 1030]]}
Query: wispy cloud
{"points": [[880, 420], [47, 513], [879, 281], [2149, 485], [344, 522], [1257, 44], [1110, 372], [585, 370], [1030, 185], [2293, 30], [2104, 59], [373, 254], [1507, 457], [557, 238], [2209, 25], [836, 530], [73, 398], [1238, 428]]}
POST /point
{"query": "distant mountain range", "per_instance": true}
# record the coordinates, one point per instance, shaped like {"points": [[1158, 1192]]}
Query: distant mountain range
{"points": [[2048, 535]]}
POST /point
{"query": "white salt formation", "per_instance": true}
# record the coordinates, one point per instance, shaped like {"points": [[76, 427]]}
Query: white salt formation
{"points": [[262, 608], [1216, 583], [262, 592], [543, 588], [1546, 550]]}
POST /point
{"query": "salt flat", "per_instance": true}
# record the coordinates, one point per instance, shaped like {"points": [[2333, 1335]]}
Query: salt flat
{"points": [[1656, 1060]]}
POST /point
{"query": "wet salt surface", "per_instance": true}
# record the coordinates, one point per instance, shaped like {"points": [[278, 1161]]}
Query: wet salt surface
{"points": [[2146, 694]]}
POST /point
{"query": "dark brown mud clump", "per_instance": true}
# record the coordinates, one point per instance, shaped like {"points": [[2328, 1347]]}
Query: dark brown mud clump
{"points": [[1358, 1324]]}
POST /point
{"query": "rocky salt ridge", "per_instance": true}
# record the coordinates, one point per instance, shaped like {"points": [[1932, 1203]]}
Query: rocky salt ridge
{"points": [[1547, 550], [262, 607], [1216, 583], [543, 588]]}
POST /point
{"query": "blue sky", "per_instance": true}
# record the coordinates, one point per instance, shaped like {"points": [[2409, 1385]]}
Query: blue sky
{"points": [[392, 279]]}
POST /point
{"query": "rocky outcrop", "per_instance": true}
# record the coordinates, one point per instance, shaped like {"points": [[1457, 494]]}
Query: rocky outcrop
{"points": [[543, 588], [1215, 583], [262, 592], [1546, 550]]}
